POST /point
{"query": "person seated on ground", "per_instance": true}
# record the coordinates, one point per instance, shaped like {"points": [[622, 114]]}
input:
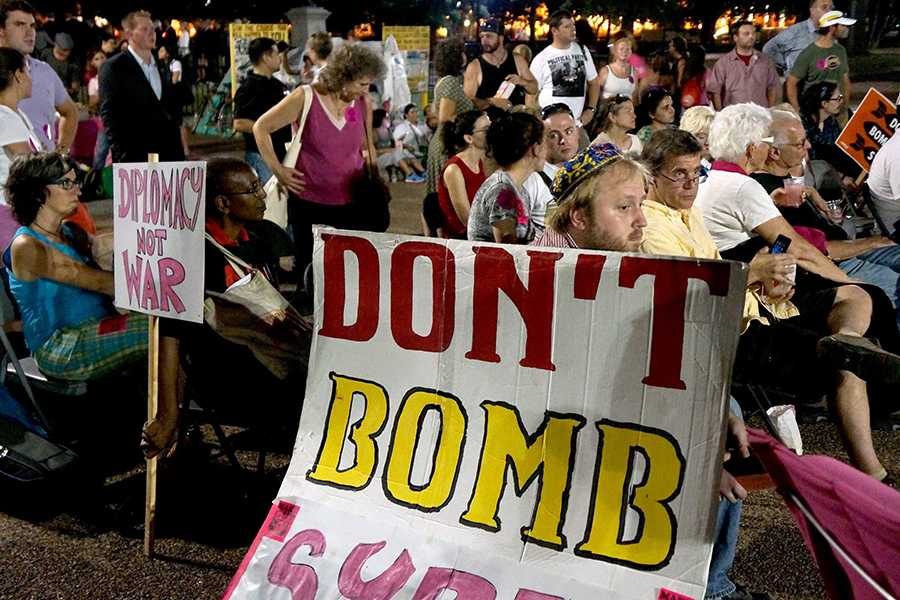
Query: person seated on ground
{"points": [[235, 202], [68, 319], [615, 118], [655, 112], [414, 137], [391, 153], [465, 138], [874, 260], [500, 208], [820, 105], [696, 121], [779, 345], [561, 140], [599, 193], [884, 182]]}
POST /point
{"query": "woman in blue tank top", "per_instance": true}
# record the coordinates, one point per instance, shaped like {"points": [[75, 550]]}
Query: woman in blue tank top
{"points": [[69, 323]]}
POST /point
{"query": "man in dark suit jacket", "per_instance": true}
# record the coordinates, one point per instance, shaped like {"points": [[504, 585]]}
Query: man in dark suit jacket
{"points": [[138, 103]]}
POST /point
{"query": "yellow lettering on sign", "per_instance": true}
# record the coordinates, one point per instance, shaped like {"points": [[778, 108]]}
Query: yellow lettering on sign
{"points": [[654, 542], [362, 433], [448, 446], [548, 454]]}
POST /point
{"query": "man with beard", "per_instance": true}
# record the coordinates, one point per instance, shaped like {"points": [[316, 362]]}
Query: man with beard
{"points": [[485, 77], [823, 60]]}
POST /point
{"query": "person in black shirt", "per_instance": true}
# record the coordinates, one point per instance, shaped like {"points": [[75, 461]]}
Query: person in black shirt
{"points": [[874, 260], [259, 92], [484, 76]]}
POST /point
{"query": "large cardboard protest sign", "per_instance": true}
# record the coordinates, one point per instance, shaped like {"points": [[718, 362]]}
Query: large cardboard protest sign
{"points": [[239, 37], [870, 127], [504, 422], [159, 215]]}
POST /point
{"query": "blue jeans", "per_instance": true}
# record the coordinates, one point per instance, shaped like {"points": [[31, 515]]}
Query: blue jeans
{"points": [[101, 149], [879, 267], [728, 522], [255, 160]]}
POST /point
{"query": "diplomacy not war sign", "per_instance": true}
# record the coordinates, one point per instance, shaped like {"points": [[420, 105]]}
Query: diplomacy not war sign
{"points": [[503, 422], [159, 215]]}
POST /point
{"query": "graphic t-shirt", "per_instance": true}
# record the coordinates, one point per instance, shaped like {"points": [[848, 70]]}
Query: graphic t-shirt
{"points": [[562, 76], [817, 64]]}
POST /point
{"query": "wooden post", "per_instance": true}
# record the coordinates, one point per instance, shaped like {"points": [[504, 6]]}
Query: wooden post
{"points": [[152, 407]]}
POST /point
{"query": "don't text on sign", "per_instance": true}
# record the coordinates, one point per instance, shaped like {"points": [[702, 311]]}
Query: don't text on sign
{"points": [[505, 422], [159, 222]]}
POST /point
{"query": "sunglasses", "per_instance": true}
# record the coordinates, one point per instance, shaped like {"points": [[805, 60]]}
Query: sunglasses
{"points": [[555, 109]]}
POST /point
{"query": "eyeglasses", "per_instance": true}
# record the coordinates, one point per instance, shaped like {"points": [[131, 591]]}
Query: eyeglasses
{"points": [[800, 144], [837, 98], [555, 109], [682, 177], [255, 189], [66, 183]]}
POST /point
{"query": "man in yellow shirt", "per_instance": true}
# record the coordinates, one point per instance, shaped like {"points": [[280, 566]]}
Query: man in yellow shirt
{"points": [[779, 347]]}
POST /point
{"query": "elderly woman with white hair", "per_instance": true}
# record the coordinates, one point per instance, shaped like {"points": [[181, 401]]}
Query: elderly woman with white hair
{"points": [[696, 121], [743, 220]]}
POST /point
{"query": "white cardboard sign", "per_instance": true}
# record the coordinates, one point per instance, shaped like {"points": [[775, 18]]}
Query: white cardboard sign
{"points": [[159, 212], [503, 422]]}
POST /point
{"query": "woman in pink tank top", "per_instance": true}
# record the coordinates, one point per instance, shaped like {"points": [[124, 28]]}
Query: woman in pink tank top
{"points": [[336, 142]]}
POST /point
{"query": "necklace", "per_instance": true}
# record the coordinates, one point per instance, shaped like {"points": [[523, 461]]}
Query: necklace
{"points": [[45, 230]]}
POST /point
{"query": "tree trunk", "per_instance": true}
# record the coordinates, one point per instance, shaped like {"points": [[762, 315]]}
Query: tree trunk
{"points": [[532, 38]]}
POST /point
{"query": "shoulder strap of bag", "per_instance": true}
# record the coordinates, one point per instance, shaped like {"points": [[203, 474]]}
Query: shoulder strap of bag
{"points": [[236, 263], [290, 159]]}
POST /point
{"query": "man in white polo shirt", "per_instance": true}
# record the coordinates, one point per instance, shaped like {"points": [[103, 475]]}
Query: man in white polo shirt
{"points": [[884, 181]]}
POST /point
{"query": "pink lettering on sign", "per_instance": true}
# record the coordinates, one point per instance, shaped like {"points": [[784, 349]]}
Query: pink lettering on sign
{"points": [[665, 594], [153, 288], [383, 587], [164, 196], [466, 585], [300, 579]]}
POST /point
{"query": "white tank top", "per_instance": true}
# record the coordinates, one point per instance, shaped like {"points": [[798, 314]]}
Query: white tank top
{"points": [[618, 85]]}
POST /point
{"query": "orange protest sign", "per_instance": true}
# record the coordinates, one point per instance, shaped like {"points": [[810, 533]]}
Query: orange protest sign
{"points": [[871, 126]]}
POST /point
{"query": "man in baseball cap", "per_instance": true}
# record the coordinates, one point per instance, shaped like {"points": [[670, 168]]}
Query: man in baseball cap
{"points": [[823, 60], [59, 56], [498, 79]]}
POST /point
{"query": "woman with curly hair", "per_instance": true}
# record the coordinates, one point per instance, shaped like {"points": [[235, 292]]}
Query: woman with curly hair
{"points": [[337, 132], [69, 323]]}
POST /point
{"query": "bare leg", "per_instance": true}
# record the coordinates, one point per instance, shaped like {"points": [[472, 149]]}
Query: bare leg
{"points": [[851, 406], [402, 164], [851, 312], [417, 165]]}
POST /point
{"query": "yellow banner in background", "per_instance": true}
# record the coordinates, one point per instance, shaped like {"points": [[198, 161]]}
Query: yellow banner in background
{"points": [[239, 37]]}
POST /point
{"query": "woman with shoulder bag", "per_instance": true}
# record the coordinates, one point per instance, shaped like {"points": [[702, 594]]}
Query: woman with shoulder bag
{"points": [[336, 149]]}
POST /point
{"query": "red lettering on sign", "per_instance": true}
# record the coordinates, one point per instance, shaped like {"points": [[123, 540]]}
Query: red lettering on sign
{"points": [[495, 271], [669, 298], [335, 290], [443, 295]]}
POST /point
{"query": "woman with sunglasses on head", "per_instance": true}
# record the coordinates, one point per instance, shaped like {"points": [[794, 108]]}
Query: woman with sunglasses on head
{"points": [[819, 106], [68, 319], [615, 118], [619, 77], [466, 138]]}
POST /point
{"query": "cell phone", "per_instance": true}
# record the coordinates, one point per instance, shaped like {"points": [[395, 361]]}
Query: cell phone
{"points": [[781, 245]]}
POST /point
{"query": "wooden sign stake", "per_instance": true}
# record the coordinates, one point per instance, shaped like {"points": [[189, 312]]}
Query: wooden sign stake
{"points": [[152, 406]]}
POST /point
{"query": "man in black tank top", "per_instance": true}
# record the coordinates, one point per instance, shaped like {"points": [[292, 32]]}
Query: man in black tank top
{"points": [[485, 76]]}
